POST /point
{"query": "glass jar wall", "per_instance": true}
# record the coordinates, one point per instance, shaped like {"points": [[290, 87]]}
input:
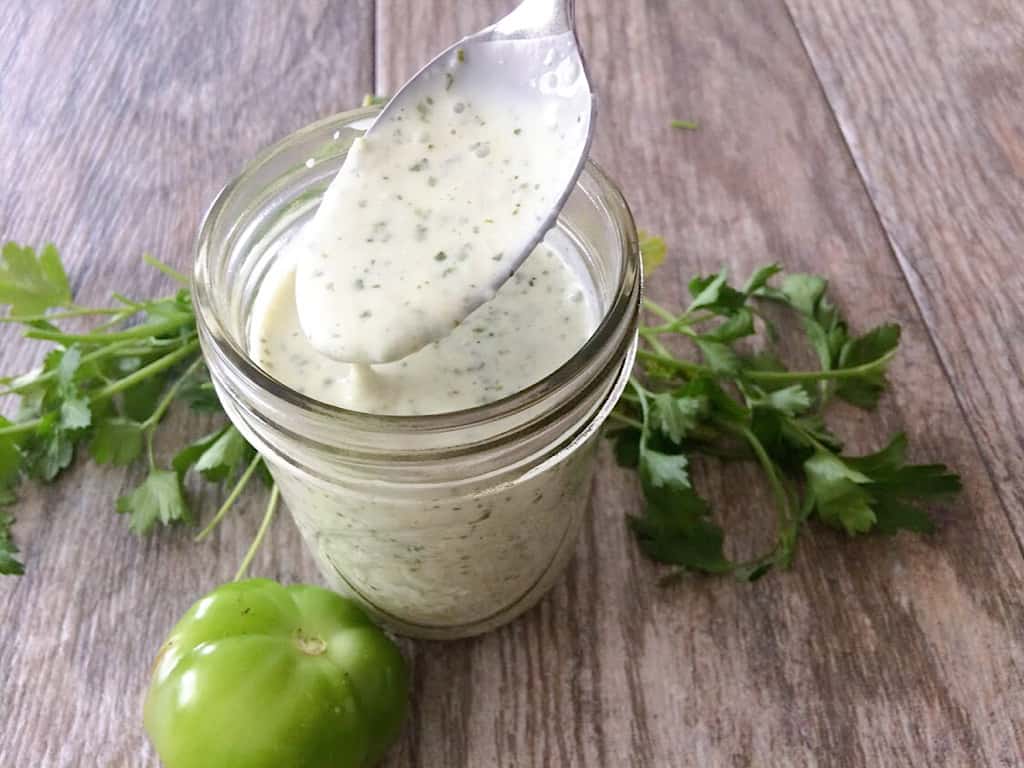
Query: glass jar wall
{"points": [[444, 525]]}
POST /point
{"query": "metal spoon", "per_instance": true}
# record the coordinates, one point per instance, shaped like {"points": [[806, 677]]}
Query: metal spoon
{"points": [[529, 62], [515, 53]]}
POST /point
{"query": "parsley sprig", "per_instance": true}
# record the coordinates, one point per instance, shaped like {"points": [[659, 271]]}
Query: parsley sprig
{"points": [[108, 390], [732, 403]]}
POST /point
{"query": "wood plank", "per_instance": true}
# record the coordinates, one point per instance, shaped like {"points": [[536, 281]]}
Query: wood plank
{"points": [[891, 652], [879, 652], [119, 122], [933, 91]]}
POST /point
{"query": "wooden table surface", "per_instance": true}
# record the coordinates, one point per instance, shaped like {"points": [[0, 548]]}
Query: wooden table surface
{"points": [[879, 142]]}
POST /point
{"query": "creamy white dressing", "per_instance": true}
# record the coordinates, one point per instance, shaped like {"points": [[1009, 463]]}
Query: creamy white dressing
{"points": [[431, 211], [438, 557], [442, 559], [534, 324], [406, 293]]}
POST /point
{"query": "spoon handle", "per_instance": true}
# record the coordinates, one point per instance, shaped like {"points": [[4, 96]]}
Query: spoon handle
{"points": [[537, 18]]}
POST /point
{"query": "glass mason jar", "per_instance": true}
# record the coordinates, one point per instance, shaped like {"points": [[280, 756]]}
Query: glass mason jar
{"points": [[446, 525]]}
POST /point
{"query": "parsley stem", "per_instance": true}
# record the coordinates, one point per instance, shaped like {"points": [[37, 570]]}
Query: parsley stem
{"points": [[626, 420], [171, 272], [75, 311], [150, 424], [770, 376], [120, 317], [641, 394], [127, 349], [140, 332], [160, 364], [835, 373], [107, 351], [172, 392], [674, 362], [130, 303], [120, 385], [659, 310], [260, 534], [676, 323], [786, 532], [150, 454], [656, 345], [21, 426], [793, 423], [232, 497]]}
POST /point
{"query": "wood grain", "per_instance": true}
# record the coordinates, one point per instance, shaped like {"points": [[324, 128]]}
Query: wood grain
{"points": [[925, 91], [867, 653], [118, 121]]}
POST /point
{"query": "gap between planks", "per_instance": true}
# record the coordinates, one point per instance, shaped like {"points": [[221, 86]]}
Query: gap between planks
{"points": [[901, 262]]}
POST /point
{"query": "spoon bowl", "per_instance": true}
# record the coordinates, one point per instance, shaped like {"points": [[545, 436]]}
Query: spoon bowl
{"points": [[531, 54], [453, 186]]}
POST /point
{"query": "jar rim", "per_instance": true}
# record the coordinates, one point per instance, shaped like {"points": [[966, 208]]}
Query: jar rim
{"points": [[226, 346]]}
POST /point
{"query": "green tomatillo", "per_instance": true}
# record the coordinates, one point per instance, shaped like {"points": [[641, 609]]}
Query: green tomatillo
{"points": [[258, 675]]}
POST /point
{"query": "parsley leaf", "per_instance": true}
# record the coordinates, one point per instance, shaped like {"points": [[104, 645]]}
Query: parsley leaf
{"points": [[873, 350], [74, 409], [760, 278], [858, 492], [676, 415], [48, 450], [10, 458], [116, 441], [187, 457], [720, 357], [663, 469], [676, 529], [9, 563], [736, 325], [200, 395], [158, 498], [714, 293], [839, 500], [224, 456], [32, 284], [139, 402], [790, 400]]}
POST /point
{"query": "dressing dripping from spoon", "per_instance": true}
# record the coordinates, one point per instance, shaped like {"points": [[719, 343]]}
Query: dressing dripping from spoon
{"points": [[450, 189]]}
